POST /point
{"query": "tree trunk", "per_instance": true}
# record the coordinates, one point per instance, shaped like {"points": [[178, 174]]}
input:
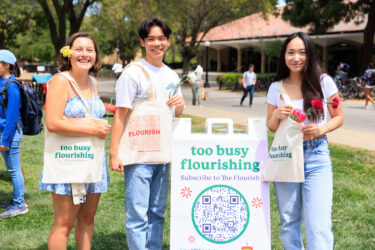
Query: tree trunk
{"points": [[58, 36], [173, 52], [186, 56], [368, 40], [185, 65]]}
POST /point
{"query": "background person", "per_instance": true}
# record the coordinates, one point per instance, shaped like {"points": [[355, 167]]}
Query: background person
{"points": [[249, 80], [344, 71], [146, 184], [369, 83], [11, 134], [302, 78], [197, 87], [63, 101]]}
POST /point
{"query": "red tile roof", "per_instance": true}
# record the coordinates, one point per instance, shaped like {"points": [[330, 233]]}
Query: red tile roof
{"points": [[255, 26]]}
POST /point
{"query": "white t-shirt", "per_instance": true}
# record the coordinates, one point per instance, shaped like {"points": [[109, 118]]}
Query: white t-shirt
{"points": [[249, 78], [132, 85], [197, 80], [328, 87]]}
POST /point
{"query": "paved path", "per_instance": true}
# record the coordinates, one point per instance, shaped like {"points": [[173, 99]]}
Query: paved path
{"points": [[358, 130]]}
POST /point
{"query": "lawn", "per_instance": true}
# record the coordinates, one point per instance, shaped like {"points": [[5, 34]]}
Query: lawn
{"points": [[353, 206]]}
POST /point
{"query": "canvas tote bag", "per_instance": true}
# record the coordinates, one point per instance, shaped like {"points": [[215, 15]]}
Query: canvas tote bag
{"points": [[73, 159], [285, 158], [147, 136]]}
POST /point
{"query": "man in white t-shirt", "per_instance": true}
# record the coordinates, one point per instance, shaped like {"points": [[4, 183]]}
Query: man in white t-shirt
{"points": [[249, 79], [146, 184]]}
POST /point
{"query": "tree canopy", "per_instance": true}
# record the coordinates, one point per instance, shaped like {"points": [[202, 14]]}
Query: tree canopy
{"points": [[15, 18], [194, 18]]}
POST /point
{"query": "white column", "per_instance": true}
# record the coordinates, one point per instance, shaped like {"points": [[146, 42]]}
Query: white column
{"points": [[218, 60]]}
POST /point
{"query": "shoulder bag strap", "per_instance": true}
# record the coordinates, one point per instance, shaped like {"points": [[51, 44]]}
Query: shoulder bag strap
{"points": [[150, 91], [74, 85], [283, 93]]}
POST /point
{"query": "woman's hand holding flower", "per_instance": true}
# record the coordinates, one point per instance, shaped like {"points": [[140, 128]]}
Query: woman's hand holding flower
{"points": [[312, 131], [283, 111]]}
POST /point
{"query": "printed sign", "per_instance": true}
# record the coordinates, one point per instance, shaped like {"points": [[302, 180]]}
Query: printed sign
{"points": [[218, 200], [74, 152]]}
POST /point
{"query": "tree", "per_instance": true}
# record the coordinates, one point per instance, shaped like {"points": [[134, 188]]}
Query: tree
{"points": [[118, 21], [14, 19], [192, 19], [34, 44], [72, 11], [322, 15]]}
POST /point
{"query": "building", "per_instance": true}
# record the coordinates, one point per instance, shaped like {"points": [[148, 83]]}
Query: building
{"points": [[232, 46]]}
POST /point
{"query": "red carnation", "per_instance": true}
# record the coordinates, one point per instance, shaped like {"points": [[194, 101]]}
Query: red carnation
{"points": [[301, 117], [335, 102], [298, 115], [317, 104]]}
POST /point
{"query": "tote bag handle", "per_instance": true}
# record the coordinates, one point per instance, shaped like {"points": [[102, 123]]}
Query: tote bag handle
{"points": [[75, 86], [283, 93]]}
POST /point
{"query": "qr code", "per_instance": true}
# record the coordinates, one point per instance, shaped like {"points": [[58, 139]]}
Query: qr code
{"points": [[220, 214]]}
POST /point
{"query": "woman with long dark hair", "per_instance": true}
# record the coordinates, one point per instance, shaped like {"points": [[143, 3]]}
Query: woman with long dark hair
{"points": [[301, 76]]}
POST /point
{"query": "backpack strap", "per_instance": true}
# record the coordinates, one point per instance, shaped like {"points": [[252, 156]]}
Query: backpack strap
{"points": [[4, 91]]}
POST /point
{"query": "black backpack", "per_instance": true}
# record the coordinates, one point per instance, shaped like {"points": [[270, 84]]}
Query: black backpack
{"points": [[372, 77], [31, 111]]}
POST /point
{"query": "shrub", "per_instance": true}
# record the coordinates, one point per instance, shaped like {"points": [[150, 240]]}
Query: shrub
{"points": [[233, 80], [104, 72], [229, 80]]}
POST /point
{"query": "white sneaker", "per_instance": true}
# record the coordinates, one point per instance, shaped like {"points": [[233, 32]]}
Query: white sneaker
{"points": [[365, 107]]}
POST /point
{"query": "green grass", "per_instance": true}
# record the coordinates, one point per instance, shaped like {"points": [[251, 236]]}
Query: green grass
{"points": [[353, 209]]}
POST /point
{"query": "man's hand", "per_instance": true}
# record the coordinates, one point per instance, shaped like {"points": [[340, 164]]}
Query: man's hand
{"points": [[179, 103], [176, 100], [116, 164]]}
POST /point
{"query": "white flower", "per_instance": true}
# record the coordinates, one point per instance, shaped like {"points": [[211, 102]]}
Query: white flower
{"points": [[198, 71], [191, 76], [117, 68]]}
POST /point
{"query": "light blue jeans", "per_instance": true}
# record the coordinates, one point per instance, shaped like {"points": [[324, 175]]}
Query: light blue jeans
{"points": [[13, 164], [313, 198], [146, 187]]}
